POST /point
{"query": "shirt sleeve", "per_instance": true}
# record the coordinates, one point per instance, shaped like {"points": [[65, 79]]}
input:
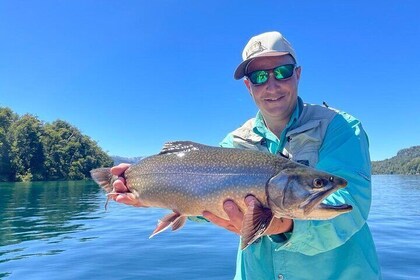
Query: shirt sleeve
{"points": [[345, 153]]}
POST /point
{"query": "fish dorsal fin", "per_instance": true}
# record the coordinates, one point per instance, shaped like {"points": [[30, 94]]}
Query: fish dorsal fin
{"points": [[256, 221], [181, 146]]}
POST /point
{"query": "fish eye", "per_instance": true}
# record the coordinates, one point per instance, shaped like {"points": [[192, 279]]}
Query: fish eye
{"points": [[318, 183], [331, 179]]}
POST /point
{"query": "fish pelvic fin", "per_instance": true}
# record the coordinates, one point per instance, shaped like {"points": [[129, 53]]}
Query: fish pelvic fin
{"points": [[104, 178], [256, 221], [174, 220]]}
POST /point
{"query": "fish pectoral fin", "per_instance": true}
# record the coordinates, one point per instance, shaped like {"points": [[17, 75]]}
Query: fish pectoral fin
{"points": [[256, 221], [174, 219]]}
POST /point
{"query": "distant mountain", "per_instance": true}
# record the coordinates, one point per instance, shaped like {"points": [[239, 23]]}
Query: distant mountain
{"points": [[407, 161], [117, 159]]}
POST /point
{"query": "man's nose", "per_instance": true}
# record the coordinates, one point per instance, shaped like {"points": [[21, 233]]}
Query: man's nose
{"points": [[271, 79]]}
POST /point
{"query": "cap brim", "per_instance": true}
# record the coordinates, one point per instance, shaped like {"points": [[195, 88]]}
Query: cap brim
{"points": [[240, 70]]}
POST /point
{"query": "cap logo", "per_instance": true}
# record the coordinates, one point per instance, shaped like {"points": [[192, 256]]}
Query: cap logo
{"points": [[256, 47]]}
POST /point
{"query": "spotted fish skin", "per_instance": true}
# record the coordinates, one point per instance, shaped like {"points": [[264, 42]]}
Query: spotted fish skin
{"points": [[201, 178], [190, 178]]}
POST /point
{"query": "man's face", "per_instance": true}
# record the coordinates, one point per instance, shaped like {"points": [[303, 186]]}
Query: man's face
{"points": [[276, 99]]}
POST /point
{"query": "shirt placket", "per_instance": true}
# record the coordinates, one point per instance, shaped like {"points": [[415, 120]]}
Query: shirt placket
{"points": [[279, 265]]}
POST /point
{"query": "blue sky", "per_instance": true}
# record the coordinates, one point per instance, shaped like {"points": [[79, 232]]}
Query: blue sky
{"points": [[135, 74]]}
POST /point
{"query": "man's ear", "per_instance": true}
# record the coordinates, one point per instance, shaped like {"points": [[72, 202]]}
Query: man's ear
{"points": [[248, 85], [298, 71]]}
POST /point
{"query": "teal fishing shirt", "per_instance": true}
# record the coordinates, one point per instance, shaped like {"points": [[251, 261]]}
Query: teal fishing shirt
{"points": [[340, 248]]}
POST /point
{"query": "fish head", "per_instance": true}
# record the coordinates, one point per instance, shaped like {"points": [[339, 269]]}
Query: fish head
{"points": [[297, 193]]}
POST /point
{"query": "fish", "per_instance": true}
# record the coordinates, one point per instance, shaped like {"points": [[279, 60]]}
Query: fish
{"points": [[190, 178]]}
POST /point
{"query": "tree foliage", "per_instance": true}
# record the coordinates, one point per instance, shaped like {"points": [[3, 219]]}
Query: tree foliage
{"points": [[7, 117], [26, 149], [33, 151], [407, 161]]}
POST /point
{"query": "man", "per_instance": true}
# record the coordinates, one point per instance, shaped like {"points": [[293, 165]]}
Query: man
{"points": [[340, 248]]}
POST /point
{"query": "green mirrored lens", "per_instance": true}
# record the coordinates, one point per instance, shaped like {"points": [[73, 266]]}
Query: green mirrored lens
{"points": [[284, 71], [258, 77]]}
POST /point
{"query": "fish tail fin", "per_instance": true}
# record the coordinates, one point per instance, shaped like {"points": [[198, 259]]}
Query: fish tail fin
{"points": [[174, 219], [256, 221], [104, 178]]}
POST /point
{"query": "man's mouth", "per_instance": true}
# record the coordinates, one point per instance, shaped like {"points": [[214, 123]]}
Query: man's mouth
{"points": [[272, 99]]}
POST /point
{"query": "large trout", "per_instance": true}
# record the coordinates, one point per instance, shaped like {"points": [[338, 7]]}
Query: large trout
{"points": [[189, 178]]}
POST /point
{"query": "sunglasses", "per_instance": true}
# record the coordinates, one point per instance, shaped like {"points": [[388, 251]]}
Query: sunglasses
{"points": [[281, 72]]}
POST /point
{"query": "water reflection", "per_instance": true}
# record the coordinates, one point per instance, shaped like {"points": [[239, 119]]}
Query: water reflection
{"points": [[45, 227], [44, 210]]}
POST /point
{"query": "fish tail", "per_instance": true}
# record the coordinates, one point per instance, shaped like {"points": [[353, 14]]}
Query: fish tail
{"points": [[104, 178]]}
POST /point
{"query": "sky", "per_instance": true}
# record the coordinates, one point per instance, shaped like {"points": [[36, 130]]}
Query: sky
{"points": [[133, 75]]}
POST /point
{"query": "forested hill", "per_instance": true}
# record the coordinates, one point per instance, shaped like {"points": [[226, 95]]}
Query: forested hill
{"points": [[407, 161], [31, 150]]}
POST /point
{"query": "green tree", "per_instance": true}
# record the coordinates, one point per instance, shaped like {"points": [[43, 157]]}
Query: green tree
{"points": [[7, 117], [412, 167], [57, 141], [407, 161], [27, 153], [31, 150], [70, 155]]}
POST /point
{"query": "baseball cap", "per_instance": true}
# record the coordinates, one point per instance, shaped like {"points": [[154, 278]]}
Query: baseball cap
{"points": [[263, 45]]}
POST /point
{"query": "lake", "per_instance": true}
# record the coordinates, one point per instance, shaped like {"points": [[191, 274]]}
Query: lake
{"points": [[60, 230]]}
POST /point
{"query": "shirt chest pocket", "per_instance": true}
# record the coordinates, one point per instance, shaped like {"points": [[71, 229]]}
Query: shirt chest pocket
{"points": [[304, 142]]}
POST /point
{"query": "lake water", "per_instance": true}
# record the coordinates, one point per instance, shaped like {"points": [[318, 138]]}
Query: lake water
{"points": [[60, 230]]}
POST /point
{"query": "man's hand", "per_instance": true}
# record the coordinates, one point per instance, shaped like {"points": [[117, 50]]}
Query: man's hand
{"points": [[124, 195], [236, 217]]}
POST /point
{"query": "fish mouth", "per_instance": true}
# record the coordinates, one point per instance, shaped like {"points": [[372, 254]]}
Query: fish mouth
{"points": [[336, 208]]}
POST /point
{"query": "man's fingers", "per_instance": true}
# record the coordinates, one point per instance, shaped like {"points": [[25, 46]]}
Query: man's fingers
{"points": [[250, 200], [129, 199], [119, 169], [215, 219], [234, 213], [220, 222], [121, 193], [119, 185]]}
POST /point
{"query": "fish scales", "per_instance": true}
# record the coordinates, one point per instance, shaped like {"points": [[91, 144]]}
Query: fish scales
{"points": [[190, 178], [199, 180]]}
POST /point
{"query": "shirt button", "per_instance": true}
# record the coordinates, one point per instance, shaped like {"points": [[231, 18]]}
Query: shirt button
{"points": [[280, 277]]}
